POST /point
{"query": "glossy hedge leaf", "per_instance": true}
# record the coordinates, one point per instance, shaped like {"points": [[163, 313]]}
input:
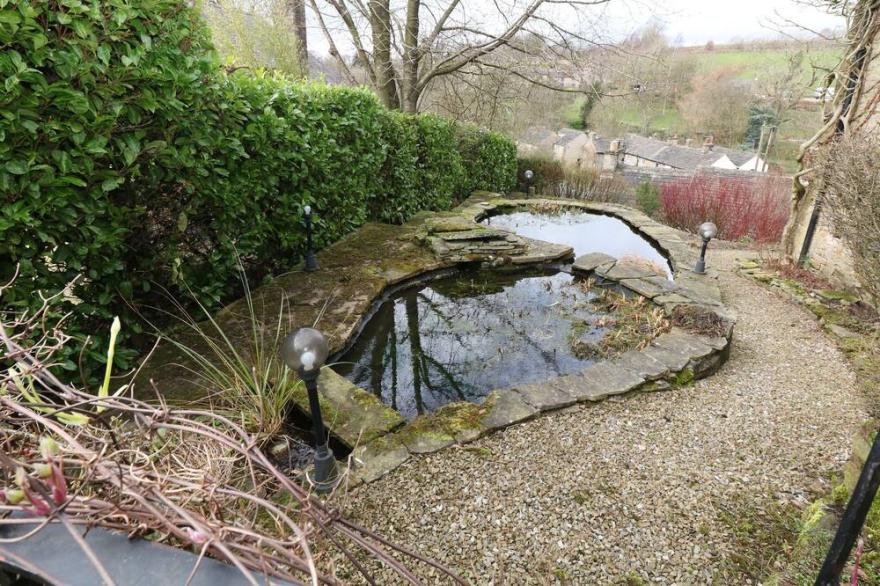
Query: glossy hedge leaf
{"points": [[152, 167]]}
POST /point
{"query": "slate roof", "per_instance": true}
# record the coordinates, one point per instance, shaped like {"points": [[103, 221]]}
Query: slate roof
{"points": [[566, 135], [680, 157], [538, 137]]}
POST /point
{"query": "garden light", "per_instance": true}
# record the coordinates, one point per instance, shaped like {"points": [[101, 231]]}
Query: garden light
{"points": [[305, 352], [708, 230], [311, 263], [529, 175]]}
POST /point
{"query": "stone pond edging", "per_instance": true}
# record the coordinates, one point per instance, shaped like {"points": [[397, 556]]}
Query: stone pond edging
{"points": [[363, 269], [673, 359]]}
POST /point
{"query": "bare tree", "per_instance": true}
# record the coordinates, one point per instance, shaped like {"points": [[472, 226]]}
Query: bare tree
{"points": [[406, 47]]}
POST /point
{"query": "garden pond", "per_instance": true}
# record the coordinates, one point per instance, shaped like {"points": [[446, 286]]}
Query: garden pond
{"points": [[457, 337]]}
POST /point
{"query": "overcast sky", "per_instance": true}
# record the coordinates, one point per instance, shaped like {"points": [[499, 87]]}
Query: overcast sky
{"points": [[699, 21], [692, 22]]}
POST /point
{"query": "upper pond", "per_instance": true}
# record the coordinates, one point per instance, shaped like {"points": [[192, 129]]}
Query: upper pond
{"points": [[585, 232], [458, 338]]}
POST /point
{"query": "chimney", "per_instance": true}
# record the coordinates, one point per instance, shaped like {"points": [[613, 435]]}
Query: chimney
{"points": [[614, 147], [708, 144]]}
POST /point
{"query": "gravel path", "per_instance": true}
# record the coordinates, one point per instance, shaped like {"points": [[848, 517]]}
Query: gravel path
{"points": [[597, 494]]}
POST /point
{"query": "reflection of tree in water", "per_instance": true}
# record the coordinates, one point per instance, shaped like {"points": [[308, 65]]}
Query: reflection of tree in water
{"points": [[426, 348]]}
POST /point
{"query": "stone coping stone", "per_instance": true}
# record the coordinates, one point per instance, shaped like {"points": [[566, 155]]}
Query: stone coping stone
{"points": [[642, 364], [599, 381], [352, 414], [375, 459], [593, 260], [544, 396], [625, 270], [678, 340]]}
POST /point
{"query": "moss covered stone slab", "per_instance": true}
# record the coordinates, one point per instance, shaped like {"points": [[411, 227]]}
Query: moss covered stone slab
{"points": [[377, 458], [544, 396], [354, 415]]}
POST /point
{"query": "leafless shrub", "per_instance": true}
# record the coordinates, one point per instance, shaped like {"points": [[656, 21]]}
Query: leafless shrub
{"points": [[853, 181], [187, 477]]}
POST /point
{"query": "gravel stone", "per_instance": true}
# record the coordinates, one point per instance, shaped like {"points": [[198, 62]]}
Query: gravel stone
{"points": [[597, 492]]}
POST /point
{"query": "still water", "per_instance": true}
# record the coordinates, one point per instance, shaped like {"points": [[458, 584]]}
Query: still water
{"points": [[458, 338], [584, 232]]}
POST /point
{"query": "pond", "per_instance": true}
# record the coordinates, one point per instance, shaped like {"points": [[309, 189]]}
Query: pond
{"points": [[458, 338], [585, 232]]}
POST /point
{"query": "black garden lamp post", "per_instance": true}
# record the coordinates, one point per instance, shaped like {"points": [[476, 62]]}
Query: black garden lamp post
{"points": [[311, 263], [708, 230], [529, 175], [305, 351]]}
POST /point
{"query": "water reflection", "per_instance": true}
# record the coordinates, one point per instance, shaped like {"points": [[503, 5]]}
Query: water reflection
{"points": [[584, 232], [460, 337]]}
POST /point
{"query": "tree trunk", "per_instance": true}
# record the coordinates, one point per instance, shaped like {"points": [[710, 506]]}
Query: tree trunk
{"points": [[386, 79], [411, 58], [297, 10]]}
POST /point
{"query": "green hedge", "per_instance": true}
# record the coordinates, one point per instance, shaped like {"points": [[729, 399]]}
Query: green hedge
{"points": [[130, 163]]}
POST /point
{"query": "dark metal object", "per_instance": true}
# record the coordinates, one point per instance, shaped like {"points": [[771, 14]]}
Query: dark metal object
{"points": [[530, 176], [700, 268], [305, 352], [853, 518], [311, 262], [811, 232], [325, 463]]}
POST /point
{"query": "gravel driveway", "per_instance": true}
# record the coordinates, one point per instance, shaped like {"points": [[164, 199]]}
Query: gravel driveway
{"points": [[628, 490]]}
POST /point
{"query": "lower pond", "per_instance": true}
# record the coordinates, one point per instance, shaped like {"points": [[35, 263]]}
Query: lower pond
{"points": [[585, 232], [457, 338]]}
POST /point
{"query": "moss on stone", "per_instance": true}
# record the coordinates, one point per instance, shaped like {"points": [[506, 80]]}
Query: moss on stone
{"points": [[683, 378]]}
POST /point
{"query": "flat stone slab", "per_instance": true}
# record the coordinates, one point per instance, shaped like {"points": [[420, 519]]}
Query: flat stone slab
{"points": [[351, 413], [642, 364], [673, 359], [507, 407], [626, 270], [648, 287], [544, 396], [599, 381], [476, 233], [683, 342], [427, 442], [378, 458], [588, 263]]}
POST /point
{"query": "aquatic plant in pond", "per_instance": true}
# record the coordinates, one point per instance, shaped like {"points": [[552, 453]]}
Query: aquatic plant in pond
{"points": [[458, 338], [585, 232]]}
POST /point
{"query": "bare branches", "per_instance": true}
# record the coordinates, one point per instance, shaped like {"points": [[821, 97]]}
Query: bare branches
{"points": [[442, 38], [187, 477]]}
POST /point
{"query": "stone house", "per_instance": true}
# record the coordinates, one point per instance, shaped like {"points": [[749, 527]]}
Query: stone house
{"points": [[569, 147], [641, 151]]}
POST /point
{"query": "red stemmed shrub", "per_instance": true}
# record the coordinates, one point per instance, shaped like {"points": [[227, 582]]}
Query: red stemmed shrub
{"points": [[756, 208]]}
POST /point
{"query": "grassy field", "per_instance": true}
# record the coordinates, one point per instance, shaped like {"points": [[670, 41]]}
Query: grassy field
{"points": [[751, 64]]}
